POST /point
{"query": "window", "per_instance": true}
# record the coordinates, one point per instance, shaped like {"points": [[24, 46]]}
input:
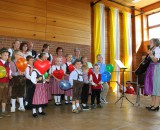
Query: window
{"points": [[154, 25]]}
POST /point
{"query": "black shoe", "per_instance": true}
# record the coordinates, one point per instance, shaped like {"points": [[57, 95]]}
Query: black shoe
{"points": [[28, 107], [56, 104], [85, 107], [93, 106], [149, 107], [70, 101], [59, 103], [42, 113], [35, 115], [99, 106], [154, 109]]}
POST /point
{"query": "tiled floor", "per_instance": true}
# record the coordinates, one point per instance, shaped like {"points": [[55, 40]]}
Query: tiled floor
{"points": [[110, 117]]}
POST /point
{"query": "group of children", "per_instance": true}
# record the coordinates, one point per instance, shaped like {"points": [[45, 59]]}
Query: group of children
{"points": [[30, 88]]}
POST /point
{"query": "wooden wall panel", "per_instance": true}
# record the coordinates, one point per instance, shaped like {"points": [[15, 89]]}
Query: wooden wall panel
{"points": [[68, 17], [68, 32], [22, 8], [67, 24], [4, 31], [52, 20], [20, 16], [67, 39], [21, 25], [67, 9], [31, 3], [83, 4]]}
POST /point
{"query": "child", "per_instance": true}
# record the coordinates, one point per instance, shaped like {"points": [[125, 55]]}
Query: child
{"points": [[30, 87], [76, 80], [4, 81], [128, 89], [105, 84], [18, 84], [40, 97], [85, 88], [68, 93], [55, 87], [96, 82]]}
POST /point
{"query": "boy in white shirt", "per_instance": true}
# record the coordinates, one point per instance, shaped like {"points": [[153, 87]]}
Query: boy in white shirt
{"points": [[76, 80]]}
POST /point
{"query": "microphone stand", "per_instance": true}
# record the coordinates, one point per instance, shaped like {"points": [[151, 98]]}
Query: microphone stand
{"points": [[123, 95]]}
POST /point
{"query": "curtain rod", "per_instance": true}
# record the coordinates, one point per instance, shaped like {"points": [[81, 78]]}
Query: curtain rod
{"points": [[120, 12], [93, 3], [107, 8], [131, 7]]}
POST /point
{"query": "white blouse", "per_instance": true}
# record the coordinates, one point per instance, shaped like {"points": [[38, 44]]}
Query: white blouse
{"points": [[54, 67], [157, 52], [64, 66], [47, 55], [28, 76]]}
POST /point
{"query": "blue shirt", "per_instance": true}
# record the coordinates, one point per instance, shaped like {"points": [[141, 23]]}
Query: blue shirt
{"points": [[74, 58], [102, 67]]}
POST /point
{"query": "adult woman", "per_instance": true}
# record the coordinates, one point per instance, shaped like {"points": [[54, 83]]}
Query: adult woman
{"points": [[24, 49], [30, 49], [59, 52], [45, 50], [85, 62], [15, 46], [77, 55], [152, 81]]}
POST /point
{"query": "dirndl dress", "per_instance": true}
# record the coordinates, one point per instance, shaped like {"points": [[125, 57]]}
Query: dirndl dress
{"points": [[156, 80], [49, 90], [70, 91], [148, 83], [40, 95], [55, 87]]}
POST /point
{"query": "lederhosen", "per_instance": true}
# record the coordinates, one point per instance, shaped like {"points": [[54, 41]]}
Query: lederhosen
{"points": [[77, 87], [40, 97], [18, 85], [4, 83], [68, 92], [85, 90], [30, 88]]}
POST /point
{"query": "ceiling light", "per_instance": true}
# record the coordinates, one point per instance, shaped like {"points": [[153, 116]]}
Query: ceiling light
{"points": [[135, 1]]}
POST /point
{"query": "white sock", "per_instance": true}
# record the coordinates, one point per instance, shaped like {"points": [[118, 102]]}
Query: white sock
{"points": [[40, 109], [70, 98], [77, 105], [34, 110], [56, 99], [59, 98], [73, 107], [26, 103], [3, 109], [21, 102], [66, 98], [83, 104], [13, 101]]}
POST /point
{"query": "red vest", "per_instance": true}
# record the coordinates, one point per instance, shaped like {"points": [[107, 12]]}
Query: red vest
{"points": [[96, 81], [130, 90], [6, 79]]}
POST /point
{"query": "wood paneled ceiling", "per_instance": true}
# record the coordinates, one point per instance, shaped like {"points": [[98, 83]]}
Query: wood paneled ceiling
{"points": [[138, 3]]}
